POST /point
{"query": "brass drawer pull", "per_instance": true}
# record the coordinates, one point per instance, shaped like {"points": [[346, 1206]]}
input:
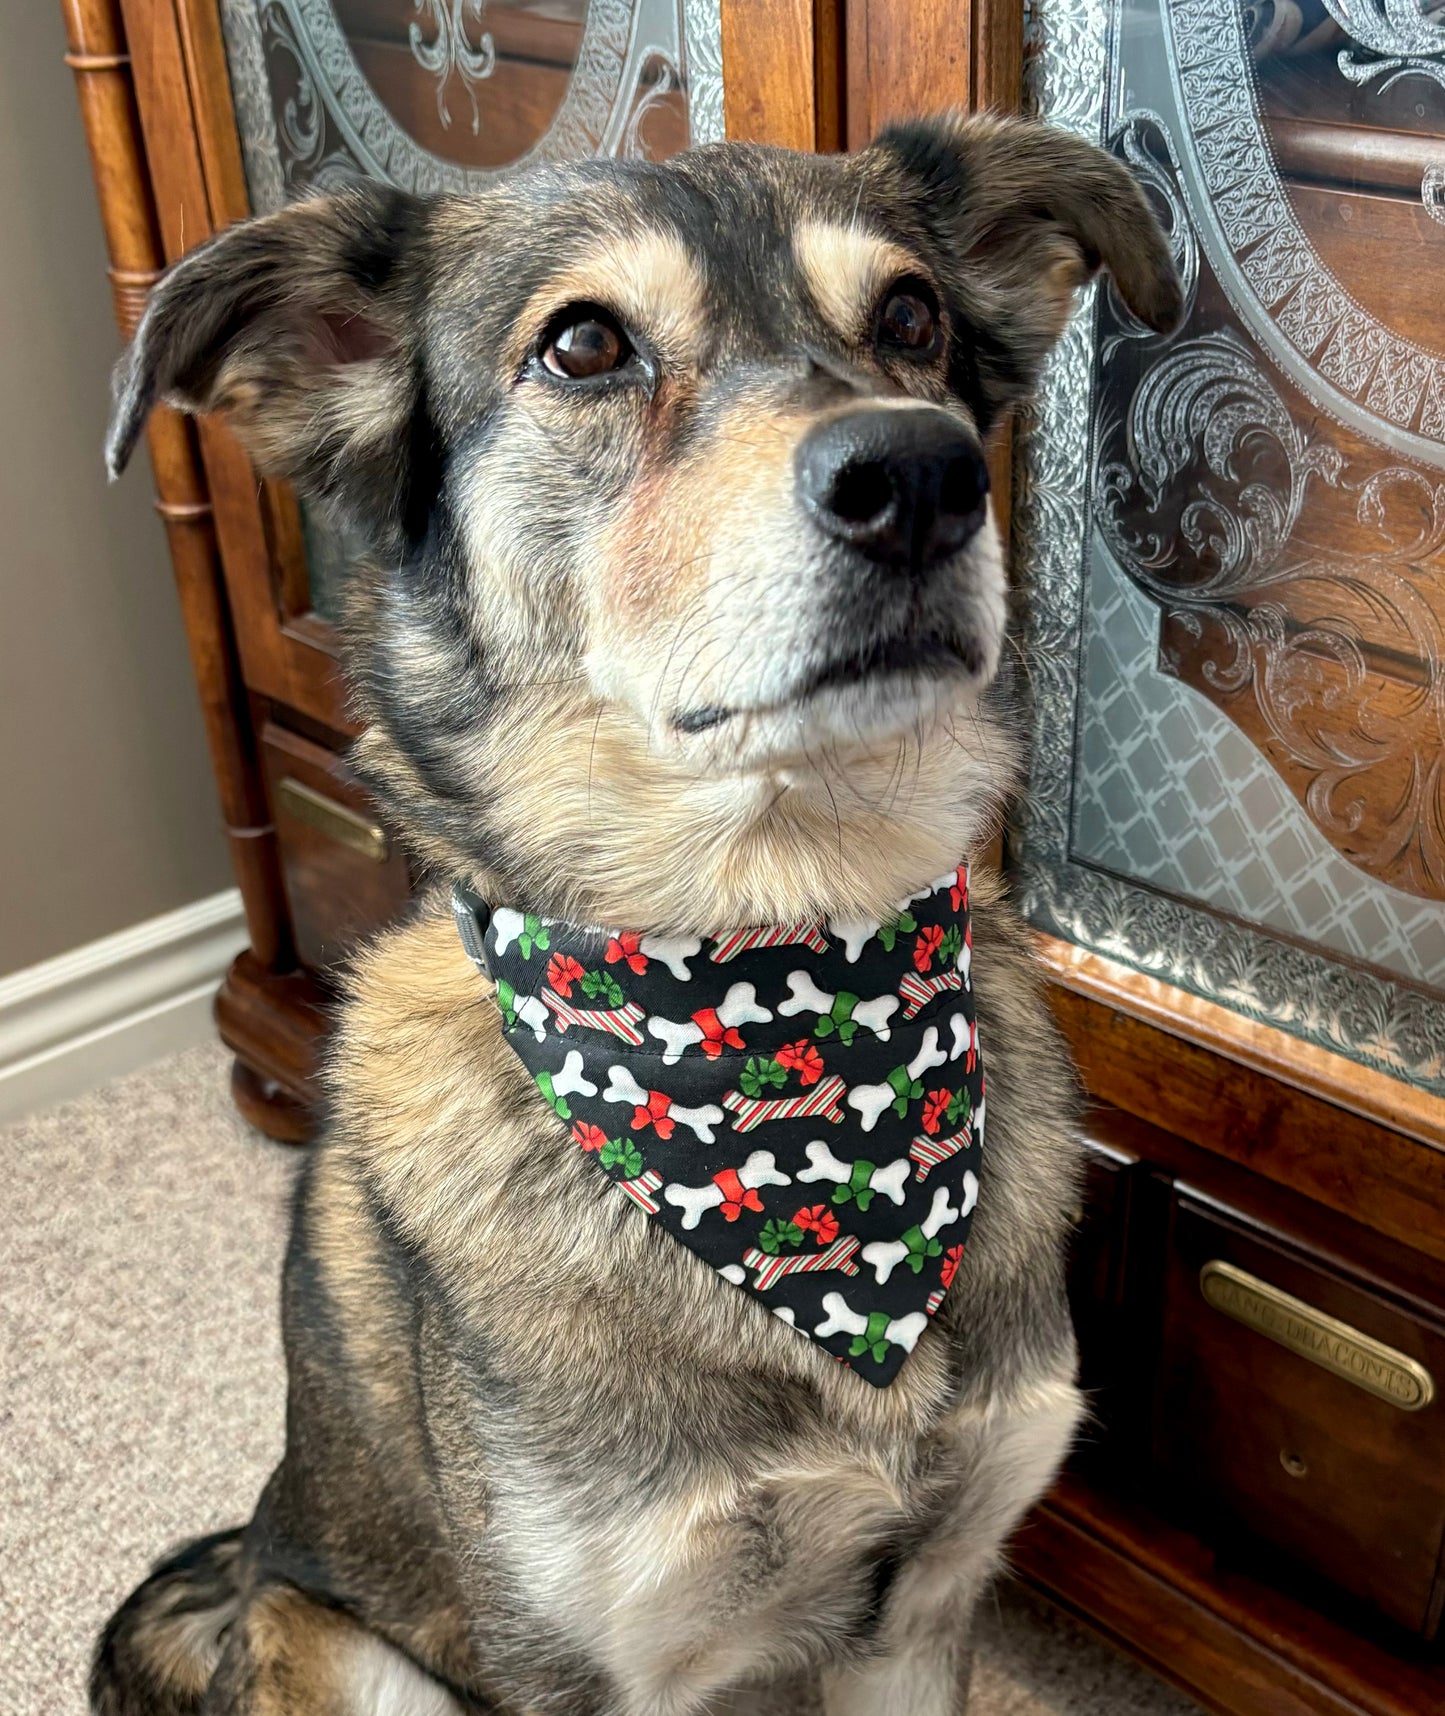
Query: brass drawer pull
{"points": [[1321, 1339], [336, 821]]}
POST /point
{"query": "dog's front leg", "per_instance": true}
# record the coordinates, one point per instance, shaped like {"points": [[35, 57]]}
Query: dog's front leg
{"points": [[924, 1669], [1007, 1456], [290, 1655]]}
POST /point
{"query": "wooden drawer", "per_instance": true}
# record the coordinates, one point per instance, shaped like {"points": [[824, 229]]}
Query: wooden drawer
{"points": [[1096, 1281], [344, 875], [1337, 1458]]}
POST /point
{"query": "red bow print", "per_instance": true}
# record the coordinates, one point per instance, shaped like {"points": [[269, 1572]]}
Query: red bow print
{"points": [[562, 972], [715, 1034], [802, 1058], [628, 946], [930, 939], [935, 1106], [736, 1196], [658, 1113], [819, 1221]]}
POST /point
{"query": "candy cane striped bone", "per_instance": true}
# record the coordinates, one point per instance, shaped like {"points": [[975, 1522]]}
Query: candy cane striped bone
{"points": [[918, 990], [657, 1107], [732, 1191], [641, 1189], [928, 1152], [822, 1099], [615, 1021], [826, 1166], [839, 1255], [726, 947]]}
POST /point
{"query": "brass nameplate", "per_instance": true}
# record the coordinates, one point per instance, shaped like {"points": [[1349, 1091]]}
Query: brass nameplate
{"points": [[1323, 1340], [336, 821]]}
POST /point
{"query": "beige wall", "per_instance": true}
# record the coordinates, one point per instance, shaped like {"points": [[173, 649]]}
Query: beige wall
{"points": [[107, 812]]}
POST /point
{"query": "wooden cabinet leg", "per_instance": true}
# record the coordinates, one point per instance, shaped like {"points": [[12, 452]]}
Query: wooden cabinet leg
{"points": [[270, 1108]]}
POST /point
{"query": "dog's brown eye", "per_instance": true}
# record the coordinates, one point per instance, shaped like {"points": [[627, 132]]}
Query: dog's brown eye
{"points": [[909, 318], [592, 345]]}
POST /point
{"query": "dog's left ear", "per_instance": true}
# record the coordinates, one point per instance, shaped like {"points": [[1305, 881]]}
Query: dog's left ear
{"points": [[1023, 215], [301, 327]]}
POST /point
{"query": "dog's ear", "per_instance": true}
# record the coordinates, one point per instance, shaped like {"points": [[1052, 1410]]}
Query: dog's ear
{"points": [[301, 327], [1024, 215]]}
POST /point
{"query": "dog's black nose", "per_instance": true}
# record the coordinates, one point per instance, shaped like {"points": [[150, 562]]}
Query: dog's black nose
{"points": [[905, 485]]}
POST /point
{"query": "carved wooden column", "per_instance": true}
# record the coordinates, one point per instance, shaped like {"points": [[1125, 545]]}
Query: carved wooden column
{"points": [[104, 84]]}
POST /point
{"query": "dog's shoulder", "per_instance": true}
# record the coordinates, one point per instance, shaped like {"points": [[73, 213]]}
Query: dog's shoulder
{"points": [[422, 1086]]}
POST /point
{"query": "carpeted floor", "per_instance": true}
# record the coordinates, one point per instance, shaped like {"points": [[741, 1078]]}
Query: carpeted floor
{"points": [[140, 1240]]}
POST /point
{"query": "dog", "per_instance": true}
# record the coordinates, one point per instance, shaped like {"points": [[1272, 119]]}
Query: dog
{"points": [[683, 606]]}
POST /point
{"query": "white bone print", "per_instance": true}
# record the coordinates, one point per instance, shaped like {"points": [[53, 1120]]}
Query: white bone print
{"points": [[855, 934], [760, 1169], [965, 1036], [622, 1087], [872, 1099], [572, 1081], [532, 1014], [507, 925], [806, 997], [843, 1319], [673, 951], [826, 1166], [739, 1007], [884, 1255], [970, 1193]]}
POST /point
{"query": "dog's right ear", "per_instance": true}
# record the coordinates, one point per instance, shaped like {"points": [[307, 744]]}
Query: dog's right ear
{"points": [[301, 327]]}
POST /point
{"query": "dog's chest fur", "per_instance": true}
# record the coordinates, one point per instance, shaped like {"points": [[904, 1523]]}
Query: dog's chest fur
{"points": [[622, 1446]]}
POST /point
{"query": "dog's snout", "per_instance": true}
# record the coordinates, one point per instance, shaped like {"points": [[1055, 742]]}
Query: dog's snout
{"points": [[905, 486]]}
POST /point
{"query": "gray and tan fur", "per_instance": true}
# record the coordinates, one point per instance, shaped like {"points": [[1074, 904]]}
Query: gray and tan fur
{"points": [[613, 667]]}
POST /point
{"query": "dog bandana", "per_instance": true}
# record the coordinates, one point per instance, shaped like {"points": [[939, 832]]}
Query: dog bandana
{"points": [[801, 1105]]}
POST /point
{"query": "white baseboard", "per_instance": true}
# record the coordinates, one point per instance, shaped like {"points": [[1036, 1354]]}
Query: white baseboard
{"points": [[105, 1009]]}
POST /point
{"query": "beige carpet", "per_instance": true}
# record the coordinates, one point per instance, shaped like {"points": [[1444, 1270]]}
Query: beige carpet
{"points": [[140, 1241]]}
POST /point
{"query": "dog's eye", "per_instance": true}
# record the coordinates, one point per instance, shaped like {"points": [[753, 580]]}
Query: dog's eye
{"points": [[587, 345], [909, 318]]}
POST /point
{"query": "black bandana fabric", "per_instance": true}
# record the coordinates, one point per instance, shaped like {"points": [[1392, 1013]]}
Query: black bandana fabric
{"points": [[802, 1105]]}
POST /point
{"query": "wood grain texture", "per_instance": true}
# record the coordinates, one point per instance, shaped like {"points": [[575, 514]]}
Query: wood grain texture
{"points": [[1255, 1435], [276, 1023], [905, 58], [1382, 1179], [769, 76], [336, 895], [99, 54], [1233, 1038], [1229, 1639]]}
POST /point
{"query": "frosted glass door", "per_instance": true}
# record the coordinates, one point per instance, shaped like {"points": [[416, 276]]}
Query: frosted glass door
{"points": [[1236, 536]]}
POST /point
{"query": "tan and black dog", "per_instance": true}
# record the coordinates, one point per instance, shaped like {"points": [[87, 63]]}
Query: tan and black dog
{"points": [[683, 607]]}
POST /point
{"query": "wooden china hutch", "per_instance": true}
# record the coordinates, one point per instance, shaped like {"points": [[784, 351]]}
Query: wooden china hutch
{"points": [[1233, 550]]}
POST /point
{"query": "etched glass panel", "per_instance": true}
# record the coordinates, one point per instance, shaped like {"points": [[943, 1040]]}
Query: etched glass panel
{"points": [[1237, 535], [442, 95]]}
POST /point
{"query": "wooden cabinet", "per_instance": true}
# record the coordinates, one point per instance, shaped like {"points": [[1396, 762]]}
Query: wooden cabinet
{"points": [[1233, 847]]}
